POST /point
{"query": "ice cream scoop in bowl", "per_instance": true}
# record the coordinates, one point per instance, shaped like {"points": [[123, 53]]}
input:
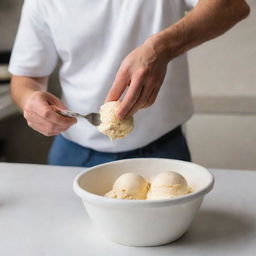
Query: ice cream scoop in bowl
{"points": [[142, 222]]}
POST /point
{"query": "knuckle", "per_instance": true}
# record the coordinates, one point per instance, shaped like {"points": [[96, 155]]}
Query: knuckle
{"points": [[123, 69], [142, 72]]}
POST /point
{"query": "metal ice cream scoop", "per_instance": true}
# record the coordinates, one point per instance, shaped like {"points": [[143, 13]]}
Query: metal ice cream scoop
{"points": [[93, 118]]}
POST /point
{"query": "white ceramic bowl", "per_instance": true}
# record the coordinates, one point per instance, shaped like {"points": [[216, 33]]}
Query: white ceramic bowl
{"points": [[142, 222]]}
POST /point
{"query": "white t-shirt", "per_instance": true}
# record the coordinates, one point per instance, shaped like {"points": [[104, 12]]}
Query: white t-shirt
{"points": [[92, 37]]}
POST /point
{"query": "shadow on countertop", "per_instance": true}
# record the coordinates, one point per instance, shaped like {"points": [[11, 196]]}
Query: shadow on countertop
{"points": [[212, 227]]}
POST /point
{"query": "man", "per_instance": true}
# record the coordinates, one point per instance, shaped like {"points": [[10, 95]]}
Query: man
{"points": [[141, 45]]}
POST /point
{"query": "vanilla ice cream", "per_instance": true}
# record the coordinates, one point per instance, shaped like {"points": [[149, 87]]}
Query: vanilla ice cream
{"points": [[111, 125], [168, 184], [129, 186]]}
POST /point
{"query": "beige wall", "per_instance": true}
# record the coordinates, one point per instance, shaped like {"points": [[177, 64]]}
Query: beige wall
{"points": [[222, 132], [9, 19]]}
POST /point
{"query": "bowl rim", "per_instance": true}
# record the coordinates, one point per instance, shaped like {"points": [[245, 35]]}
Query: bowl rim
{"points": [[114, 202]]}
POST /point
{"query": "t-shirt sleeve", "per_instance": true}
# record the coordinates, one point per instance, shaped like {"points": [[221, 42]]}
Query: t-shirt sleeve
{"points": [[34, 53], [191, 4]]}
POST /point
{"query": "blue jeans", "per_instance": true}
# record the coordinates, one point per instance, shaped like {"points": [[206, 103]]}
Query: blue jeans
{"points": [[172, 145]]}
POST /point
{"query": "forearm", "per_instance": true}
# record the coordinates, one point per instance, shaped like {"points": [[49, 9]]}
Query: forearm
{"points": [[206, 21], [22, 87]]}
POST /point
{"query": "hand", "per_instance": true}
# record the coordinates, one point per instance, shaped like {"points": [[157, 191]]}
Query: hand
{"points": [[143, 71], [40, 113]]}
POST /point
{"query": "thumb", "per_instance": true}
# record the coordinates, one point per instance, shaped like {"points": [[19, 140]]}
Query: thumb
{"points": [[55, 102]]}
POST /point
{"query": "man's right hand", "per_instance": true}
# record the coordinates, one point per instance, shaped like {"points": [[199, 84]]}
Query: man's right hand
{"points": [[40, 113]]}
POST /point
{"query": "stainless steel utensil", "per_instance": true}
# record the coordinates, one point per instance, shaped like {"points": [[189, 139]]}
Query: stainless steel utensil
{"points": [[93, 118]]}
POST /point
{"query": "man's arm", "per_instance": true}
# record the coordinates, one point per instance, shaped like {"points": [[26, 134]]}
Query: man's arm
{"points": [[39, 107], [209, 19], [144, 69]]}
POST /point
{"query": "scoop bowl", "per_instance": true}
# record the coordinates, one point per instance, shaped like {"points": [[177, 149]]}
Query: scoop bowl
{"points": [[142, 222]]}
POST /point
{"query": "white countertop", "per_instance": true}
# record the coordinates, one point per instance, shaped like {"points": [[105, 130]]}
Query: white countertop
{"points": [[41, 216]]}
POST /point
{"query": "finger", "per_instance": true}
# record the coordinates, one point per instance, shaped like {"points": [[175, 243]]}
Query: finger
{"points": [[131, 96], [56, 104], [34, 117], [145, 105], [42, 105], [143, 99], [45, 128], [120, 83], [152, 98], [53, 100], [40, 129], [48, 114]]}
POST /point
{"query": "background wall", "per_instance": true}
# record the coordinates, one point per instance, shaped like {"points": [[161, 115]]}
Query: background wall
{"points": [[222, 133], [9, 18], [18, 142]]}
